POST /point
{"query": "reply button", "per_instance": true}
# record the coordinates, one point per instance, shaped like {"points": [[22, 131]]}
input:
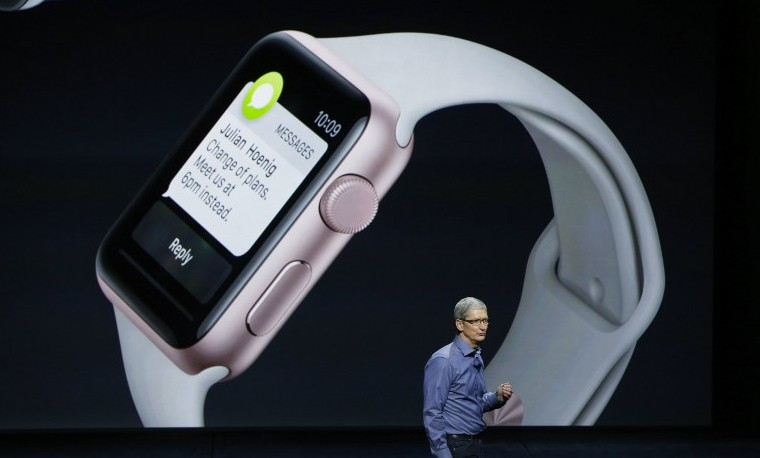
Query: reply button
{"points": [[182, 252]]}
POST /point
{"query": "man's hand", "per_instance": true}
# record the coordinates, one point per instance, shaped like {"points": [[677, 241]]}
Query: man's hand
{"points": [[504, 392]]}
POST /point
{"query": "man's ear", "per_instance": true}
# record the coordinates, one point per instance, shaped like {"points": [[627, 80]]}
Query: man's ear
{"points": [[459, 325]]}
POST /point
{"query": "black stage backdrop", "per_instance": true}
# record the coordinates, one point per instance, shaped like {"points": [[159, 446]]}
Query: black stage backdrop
{"points": [[94, 93]]}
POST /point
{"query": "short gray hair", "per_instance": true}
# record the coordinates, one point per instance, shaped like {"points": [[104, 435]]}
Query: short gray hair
{"points": [[467, 304]]}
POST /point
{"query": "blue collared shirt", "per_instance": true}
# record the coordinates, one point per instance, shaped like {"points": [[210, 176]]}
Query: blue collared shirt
{"points": [[455, 395]]}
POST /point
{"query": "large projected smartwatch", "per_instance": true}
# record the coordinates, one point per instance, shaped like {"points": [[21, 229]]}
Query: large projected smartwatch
{"points": [[291, 158]]}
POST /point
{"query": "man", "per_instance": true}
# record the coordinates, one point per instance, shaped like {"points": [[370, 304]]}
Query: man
{"points": [[455, 393]]}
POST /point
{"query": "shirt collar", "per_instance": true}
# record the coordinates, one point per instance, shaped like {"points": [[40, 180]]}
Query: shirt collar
{"points": [[466, 349]]}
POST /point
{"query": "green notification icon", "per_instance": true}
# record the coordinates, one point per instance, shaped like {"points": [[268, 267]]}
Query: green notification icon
{"points": [[262, 95]]}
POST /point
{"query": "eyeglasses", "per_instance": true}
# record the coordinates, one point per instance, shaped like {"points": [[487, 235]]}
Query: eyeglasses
{"points": [[480, 322]]}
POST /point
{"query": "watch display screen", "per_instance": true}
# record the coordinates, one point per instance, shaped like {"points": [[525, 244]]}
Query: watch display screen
{"points": [[267, 142]]}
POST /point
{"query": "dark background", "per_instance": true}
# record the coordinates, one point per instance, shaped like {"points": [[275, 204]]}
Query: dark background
{"points": [[94, 93]]}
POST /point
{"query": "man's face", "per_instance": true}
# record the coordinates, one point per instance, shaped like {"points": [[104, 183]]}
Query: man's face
{"points": [[473, 328]]}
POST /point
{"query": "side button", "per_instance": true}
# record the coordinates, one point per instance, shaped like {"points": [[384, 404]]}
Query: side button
{"points": [[278, 298]]}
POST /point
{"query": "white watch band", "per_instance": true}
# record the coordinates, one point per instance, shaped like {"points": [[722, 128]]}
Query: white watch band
{"points": [[595, 278], [163, 395], [572, 336]]}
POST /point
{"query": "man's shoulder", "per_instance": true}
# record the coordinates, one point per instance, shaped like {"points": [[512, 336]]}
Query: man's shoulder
{"points": [[443, 352], [439, 359]]}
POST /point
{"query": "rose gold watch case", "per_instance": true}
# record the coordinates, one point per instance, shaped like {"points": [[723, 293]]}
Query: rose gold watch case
{"points": [[375, 156]]}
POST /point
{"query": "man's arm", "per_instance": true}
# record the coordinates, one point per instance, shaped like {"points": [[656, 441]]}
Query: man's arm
{"points": [[496, 399], [435, 392]]}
